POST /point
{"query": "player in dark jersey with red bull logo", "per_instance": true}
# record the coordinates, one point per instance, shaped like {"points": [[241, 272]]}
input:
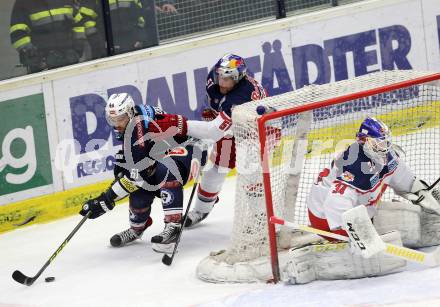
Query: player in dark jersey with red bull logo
{"points": [[227, 85]]}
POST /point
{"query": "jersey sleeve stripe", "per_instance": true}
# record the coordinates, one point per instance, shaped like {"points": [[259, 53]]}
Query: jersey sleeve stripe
{"points": [[227, 121]]}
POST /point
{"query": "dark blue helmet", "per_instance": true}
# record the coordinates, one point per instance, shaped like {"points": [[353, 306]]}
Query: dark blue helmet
{"points": [[374, 128], [375, 137]]}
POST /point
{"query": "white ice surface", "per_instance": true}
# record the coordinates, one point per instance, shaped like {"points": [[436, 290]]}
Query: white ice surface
{"points": [[90, 273]]}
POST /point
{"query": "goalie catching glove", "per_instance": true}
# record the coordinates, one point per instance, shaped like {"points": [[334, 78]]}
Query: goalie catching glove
{"points": [[420, 195]]}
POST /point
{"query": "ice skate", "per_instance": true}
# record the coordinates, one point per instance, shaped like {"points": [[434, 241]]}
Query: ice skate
{"points": [[164, 242], [128, 235], [195, 217]]}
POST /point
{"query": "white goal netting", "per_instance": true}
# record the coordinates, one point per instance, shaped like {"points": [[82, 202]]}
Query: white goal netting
{"points": [[300, 144]]}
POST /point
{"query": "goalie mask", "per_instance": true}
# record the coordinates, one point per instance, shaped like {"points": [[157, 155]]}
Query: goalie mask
{"points": [[375, 137], [230, 66]]}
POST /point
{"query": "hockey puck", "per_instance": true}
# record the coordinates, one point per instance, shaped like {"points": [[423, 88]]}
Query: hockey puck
{"points": [[49, 279], [261, 110]]}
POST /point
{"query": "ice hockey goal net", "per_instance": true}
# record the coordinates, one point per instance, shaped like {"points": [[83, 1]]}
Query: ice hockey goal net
{"points": [[280, 154]]}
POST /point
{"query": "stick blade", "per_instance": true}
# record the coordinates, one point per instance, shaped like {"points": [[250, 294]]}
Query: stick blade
{"points": [[21, 278], [167, 260]]}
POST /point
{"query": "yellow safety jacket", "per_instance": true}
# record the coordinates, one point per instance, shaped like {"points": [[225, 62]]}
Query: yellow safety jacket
{"points": [[47, 24], [128, 23], [88, 17]]}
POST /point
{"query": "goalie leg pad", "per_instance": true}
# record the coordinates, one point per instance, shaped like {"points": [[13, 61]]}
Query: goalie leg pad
{"points": [[430, 229], [400, 216], [224, 267], [417, 227], [330, 261]]}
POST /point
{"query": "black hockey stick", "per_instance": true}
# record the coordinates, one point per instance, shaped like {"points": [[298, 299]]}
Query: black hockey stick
{"points": [[434, 184], [166, 259], [28, 281]]}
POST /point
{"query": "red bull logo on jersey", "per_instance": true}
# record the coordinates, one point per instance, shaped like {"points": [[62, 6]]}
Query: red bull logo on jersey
{"points": [[347, 176]]}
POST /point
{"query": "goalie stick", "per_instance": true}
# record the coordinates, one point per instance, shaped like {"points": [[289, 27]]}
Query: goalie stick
{"points": [[431, 259], [28, 281], [166, 259]]}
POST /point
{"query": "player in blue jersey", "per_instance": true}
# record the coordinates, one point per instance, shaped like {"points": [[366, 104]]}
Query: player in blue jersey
{"points": [[359, 177], [150, 165], [227, 85]]}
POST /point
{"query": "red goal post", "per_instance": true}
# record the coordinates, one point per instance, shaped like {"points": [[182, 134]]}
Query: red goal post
{"points": [[280, 153]]}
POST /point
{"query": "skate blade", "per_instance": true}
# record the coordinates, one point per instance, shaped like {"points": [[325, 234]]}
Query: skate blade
{"points": [[163, 248]]}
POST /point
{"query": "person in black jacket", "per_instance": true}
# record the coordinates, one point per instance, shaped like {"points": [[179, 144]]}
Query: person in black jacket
{"points": [[45, 35], [131, 23], [128, 25]]}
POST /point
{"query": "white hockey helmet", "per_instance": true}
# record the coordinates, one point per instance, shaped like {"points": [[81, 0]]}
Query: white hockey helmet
{"points": [[118, 107]]}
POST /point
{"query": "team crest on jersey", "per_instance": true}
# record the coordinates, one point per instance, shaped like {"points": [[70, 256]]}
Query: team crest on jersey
{"points": [[166, 196], [347, 176]]}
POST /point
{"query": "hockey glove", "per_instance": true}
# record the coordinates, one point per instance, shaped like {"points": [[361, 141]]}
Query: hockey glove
{"points": [[209, 114], [429, 200], [163, 122], [98, 206]]}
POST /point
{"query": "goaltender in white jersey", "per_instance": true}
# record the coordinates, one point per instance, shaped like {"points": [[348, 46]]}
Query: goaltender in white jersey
{"points": [[359, 177]]}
